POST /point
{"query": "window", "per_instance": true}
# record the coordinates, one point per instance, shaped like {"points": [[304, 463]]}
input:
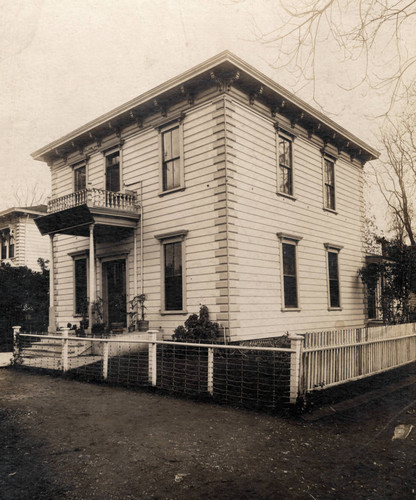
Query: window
{"points": [[7, 244], [289, 271], [334, 297], [173, 276], [173, 272], [112, 171], [329, 178], [285, 166], [172, 158], [80, 177], [81, 286]]}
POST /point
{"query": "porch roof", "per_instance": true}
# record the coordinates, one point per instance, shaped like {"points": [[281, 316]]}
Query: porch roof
{"points": [[109, 226]]}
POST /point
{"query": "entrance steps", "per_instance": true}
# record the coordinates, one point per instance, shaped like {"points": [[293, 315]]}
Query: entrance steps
{"points": [[53, 348]]}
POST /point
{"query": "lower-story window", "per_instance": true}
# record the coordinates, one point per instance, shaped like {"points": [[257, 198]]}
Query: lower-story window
{"points": [[334, 295], [173, 293], [80, 286], [289, 271]]}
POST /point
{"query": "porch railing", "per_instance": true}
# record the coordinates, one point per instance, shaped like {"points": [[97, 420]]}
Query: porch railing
{"points": [[94, 197]]}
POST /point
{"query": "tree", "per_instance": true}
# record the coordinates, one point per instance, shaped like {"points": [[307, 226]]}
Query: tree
{"points": [[29, 194], [395, 273], [23, 299], [396, 173], [372, 38]]}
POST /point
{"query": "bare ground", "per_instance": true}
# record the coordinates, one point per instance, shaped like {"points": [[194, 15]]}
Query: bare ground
{"points": [[72, 440]]}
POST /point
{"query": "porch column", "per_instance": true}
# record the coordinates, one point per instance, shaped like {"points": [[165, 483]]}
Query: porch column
{"points": [[52, 317], [92, 280]]}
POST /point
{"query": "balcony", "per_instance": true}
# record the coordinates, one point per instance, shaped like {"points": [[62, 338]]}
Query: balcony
{"points": [[96, 198], [112, 214]]}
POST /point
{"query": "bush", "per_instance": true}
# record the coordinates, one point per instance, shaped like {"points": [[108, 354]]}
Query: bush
{"points": [[197, 328]]}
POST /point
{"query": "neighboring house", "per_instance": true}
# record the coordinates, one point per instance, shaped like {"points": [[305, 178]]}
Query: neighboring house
{"points": [[218, 187], [20, 240]]}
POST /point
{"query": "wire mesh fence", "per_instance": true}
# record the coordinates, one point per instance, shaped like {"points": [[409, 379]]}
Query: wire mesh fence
{"points": [[253, 377]]}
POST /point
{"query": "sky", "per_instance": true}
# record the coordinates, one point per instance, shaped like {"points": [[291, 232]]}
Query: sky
{"points": [[65, 62]]}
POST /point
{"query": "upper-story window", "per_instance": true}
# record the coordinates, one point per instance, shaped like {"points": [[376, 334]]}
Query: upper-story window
{"points": [[80, 177], [329, 183], [285, 166], [7, 244], [112, 171], [172, 158]]}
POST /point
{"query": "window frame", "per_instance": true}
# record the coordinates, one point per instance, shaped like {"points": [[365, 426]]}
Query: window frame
{"points": [[287, 239], [166, 239], [178, 123], [290, 138], [81, 256], [326, 158], [75, 167], [6, 235], [333, 249], [108, 152]]}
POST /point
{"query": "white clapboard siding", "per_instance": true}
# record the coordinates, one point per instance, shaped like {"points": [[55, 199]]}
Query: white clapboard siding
{"points": [[260, 213]]}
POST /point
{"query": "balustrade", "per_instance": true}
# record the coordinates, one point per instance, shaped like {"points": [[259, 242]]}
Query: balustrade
{"points": [[94, 197]]}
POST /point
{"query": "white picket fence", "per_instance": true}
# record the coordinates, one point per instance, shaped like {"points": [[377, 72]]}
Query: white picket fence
{"points": [[335, 357]]}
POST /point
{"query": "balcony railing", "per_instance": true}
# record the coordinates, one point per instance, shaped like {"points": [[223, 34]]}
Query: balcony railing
{"points": [[99, 198]]}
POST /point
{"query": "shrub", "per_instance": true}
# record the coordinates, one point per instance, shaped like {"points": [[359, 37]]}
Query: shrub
{"points": [[197, 328]]}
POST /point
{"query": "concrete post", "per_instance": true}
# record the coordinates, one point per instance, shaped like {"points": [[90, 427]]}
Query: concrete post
{"points": [[211, 371], [153, 357], [16, 341], [296, 343], [105, 360], [65, 334]]}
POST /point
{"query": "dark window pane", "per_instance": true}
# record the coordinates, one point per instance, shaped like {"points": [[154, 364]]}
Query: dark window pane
{"points": [[289, 275], [285, 163], [81, 304], [11, 246], [80, 178], [333, 279], [173, 276], [113, 172], [171, 159], [4, 246]]}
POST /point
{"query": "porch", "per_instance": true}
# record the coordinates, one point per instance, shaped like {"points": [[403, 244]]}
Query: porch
{"points": [[101, 216]]}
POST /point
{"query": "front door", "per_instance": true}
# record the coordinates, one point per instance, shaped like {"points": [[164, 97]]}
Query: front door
{"points": [[114, 288]]}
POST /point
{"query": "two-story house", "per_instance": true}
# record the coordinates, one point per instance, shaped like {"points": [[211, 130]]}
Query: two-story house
{"points": [[218, 187], [21, 243]]}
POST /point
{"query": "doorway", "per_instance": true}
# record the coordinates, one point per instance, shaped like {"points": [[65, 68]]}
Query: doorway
{"points": [[114, 291]]}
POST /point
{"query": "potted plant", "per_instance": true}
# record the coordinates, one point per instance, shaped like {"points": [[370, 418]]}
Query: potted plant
{"points": [[137, 306]]}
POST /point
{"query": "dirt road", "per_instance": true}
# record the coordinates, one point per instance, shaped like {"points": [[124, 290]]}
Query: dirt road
{"points": [[73, 440]]}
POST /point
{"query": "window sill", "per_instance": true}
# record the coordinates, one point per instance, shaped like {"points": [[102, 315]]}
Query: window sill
{"points": [[174, 190], [179, 313], [285, 195], [330, 210], [334, 308], [291, 309]]}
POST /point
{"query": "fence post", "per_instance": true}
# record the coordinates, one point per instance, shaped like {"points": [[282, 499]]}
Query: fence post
{"points": [[211, 371], [65, 333], [105, 360], [16, 342], [296, 343], [153, 357]]}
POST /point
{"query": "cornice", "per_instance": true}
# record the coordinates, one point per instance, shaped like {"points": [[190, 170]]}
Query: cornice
{"points": [[223, 70]]}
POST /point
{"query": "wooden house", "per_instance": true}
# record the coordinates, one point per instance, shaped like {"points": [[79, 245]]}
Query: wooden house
{"points": [[21, 243], [218, 187]]}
